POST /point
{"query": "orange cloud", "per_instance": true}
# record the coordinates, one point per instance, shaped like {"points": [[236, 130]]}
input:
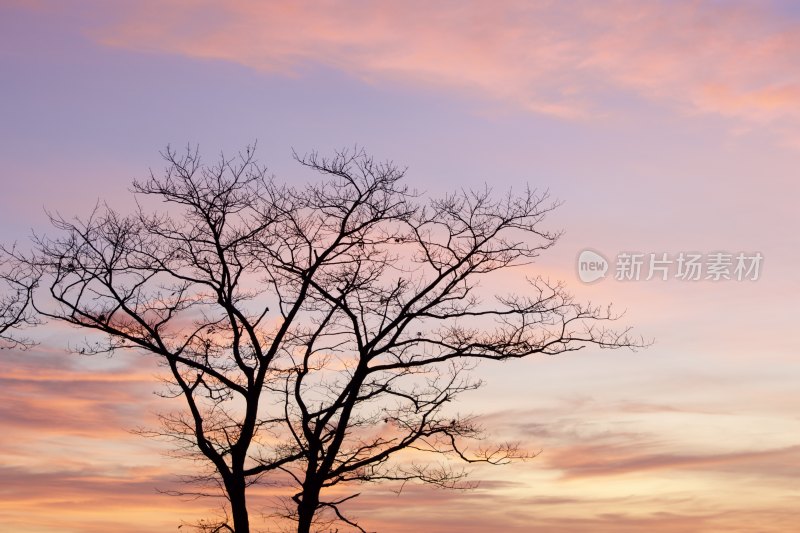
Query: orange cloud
{"points": [[71, 467], [49, 393], [89, 500]]}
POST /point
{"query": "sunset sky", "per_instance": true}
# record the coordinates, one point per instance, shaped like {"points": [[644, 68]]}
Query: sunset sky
{"points": [[664, 127]]}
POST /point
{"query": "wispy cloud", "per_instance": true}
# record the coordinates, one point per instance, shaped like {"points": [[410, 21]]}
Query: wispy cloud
{"points": [[90, 500], [609, 460], [92, 484], [50, 393], [572, 60]]}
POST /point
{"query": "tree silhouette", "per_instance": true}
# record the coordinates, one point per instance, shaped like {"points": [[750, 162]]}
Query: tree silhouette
{"points": [[316, 333], [18, 283]]}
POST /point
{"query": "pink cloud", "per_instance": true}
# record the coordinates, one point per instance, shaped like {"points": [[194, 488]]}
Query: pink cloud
{"points": [[563, 59], [48, 393], [88, 486], [89, 500], [609, 460]]}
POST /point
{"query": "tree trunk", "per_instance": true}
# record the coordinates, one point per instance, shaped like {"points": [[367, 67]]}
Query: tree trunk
{"points": [[241, 521], [305, 510]]}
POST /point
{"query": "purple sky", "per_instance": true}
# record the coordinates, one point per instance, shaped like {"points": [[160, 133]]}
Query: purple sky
{"points": [[663, 126]]}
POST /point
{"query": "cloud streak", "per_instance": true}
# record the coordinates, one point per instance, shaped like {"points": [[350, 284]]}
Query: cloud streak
{"points": [[571, 60], [612, 460]]}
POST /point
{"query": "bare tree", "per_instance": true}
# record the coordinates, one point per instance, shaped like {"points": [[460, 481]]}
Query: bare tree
{"points": [[17, 283], [316, 333]]}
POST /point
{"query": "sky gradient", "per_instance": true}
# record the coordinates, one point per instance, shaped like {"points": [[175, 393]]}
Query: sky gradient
{"points": [[664, 127]]}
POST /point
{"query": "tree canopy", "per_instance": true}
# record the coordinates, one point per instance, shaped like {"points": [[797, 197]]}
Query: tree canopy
{"points": [[315, 333]]}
